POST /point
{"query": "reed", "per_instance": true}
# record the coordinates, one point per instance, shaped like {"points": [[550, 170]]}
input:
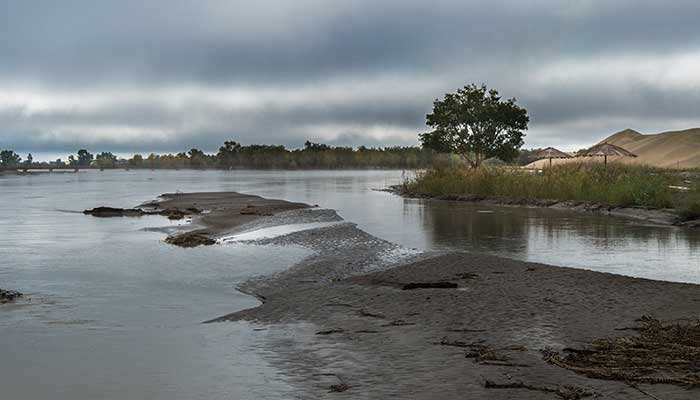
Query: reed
{"points": [[616, 185]]}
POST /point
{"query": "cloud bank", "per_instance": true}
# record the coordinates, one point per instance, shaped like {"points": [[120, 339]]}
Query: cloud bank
{"points": [[167, 75]]}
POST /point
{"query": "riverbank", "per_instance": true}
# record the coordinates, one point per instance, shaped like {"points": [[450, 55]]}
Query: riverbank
{"points": [[654, 216], [489, 327], [643, 193]]}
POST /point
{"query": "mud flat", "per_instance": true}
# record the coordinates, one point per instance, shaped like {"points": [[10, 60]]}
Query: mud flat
{"points": [[501, 333], [365, 318], [215, 213]]}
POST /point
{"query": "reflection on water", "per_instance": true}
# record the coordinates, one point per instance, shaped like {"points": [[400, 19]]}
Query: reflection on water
{"points": [[115, 313], [564, 238]]}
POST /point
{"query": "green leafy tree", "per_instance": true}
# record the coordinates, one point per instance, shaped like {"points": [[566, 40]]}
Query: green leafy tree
{"points": [[136, 161], [30, 160], [9, 159], [105, 160], [197, 158], [84, 158], [477, 124], [228, 154]]}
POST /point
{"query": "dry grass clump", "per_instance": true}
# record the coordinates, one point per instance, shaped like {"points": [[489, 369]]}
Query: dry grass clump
{"points": [[661, 353]]}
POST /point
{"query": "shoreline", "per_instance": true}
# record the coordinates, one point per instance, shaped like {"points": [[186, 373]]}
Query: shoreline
{"points": [[666, 217], [391, 322]]}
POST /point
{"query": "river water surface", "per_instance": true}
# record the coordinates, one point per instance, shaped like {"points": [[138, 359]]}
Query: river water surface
{"points": [[114, 313]]}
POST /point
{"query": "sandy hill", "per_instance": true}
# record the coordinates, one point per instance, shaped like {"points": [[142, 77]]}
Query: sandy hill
{"points": [[673, 149], [666, 149]]}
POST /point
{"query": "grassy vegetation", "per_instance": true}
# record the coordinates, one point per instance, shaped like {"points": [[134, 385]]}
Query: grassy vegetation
{"points": [[616, 185]]}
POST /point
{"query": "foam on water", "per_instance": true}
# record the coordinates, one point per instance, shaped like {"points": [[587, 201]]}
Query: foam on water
{"points": [[275, 231]]}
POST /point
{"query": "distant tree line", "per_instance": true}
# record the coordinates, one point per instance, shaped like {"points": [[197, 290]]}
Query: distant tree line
{"points": [[233, 155]]}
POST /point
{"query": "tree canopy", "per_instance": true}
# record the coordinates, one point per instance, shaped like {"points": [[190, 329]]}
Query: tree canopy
{"points": [[477, 124], [105, 160], [84, 158], [9, 158]]}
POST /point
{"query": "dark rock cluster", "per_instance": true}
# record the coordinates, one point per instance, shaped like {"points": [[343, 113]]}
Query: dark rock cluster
{"points": [[190, 239], [111, 212], [7, 296]]}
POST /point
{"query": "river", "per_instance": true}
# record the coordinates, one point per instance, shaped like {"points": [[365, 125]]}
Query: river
{"points": [[115, 313]]}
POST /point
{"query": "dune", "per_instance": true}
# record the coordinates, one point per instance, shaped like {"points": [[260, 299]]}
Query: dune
{"points": [[673, 149]]}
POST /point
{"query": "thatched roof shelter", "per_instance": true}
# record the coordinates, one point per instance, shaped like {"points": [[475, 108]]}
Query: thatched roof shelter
{"points": [[605, 150], [550, 153]]}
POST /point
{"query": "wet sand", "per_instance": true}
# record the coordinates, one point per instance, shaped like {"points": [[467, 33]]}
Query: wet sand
{"points": [[223, 210], [485, 338]]}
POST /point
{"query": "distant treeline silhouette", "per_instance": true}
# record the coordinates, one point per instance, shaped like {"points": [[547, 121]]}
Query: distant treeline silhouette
{"points": [[234, 155]]}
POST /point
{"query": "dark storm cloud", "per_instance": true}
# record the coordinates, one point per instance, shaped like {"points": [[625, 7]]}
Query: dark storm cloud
{"points": [[390, 59]]}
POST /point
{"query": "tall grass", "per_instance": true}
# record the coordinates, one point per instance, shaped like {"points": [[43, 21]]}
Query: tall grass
{"points": [[616, 185], [689, 205]]}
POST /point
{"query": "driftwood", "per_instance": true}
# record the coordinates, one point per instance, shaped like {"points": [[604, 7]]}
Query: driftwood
{"points": [[429, 285], [330, 331], [661, 353]]}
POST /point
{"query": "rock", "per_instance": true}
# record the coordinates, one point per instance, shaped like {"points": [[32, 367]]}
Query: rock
{"points": [[172, 213], [190, 240], [338, 388], [110, 212], [8, 296]]}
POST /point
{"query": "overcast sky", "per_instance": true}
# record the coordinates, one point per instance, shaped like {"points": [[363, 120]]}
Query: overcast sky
{"points": [[167, 75]]}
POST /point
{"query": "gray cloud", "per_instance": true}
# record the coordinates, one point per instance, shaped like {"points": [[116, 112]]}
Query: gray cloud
{"points": [[127, 75]]}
